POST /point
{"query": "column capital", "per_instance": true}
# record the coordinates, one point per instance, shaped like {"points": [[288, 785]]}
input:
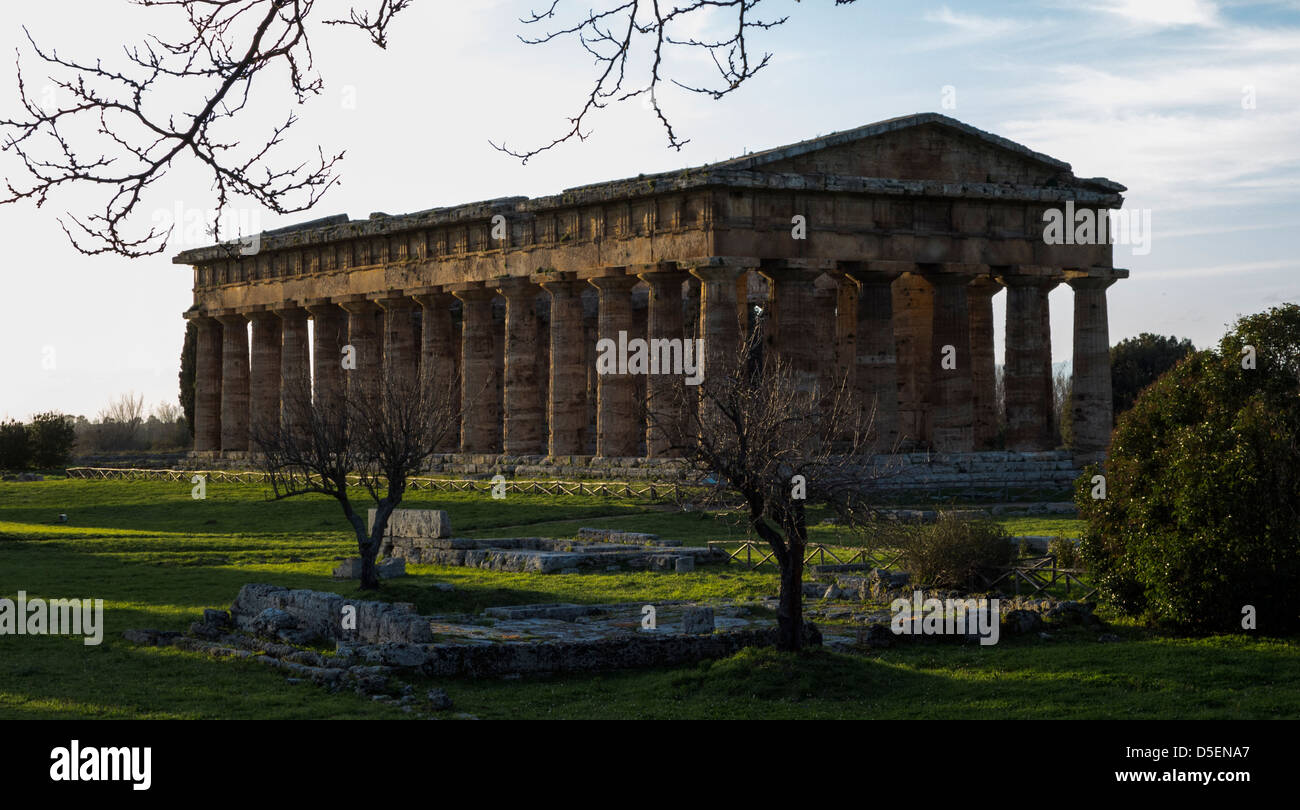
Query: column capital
{"points": [[391, 299], [356, 304], [471, 294], [734, 263], [230, 317], [1094, 278], [984, 286], [260, 313], [512, 286], [619, 283], [874, 272], [1027, 275]]}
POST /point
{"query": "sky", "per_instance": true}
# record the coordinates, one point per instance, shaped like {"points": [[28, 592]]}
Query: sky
{"points": [[1194, 105]]}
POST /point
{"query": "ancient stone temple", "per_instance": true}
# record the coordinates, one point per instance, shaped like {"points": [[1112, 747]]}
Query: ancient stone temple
{"points": [[873, 253]]}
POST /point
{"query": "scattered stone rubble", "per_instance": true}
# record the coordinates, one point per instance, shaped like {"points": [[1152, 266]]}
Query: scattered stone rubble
{"points": [[424, 536], [268, 621]]}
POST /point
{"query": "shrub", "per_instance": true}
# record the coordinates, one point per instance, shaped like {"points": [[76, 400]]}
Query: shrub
{"points": [[1202, 514], [1065, 551], [952, 551], [15, 447], [52, 438]]}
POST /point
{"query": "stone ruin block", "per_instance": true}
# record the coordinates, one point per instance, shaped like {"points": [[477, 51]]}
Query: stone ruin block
{"points": [[414, 523], [697, 620]]}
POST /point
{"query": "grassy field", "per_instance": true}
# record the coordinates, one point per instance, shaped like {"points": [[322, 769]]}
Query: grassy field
{"points": [[157, 557]]}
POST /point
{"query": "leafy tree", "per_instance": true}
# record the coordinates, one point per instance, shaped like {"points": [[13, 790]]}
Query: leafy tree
{"points": [[1202, 511], [15, 447], [1136, 362], [52, 436], [188, 365]]}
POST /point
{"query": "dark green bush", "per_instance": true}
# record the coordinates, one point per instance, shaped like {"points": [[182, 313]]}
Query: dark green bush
{"points": [[1202, 514], [952, 551], [52, 437], [15, 448]]}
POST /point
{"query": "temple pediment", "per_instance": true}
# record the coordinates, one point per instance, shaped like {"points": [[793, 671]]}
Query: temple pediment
{"points": [[925, 146]]}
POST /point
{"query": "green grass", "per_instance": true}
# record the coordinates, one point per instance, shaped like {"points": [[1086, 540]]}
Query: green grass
{"points": [[157, 557]]}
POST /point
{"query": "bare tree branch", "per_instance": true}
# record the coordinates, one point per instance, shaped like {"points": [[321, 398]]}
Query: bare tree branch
{"points": [[112, 128], [643, 30]]}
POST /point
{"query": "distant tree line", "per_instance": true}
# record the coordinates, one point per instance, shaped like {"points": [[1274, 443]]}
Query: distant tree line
{"points": [[51, 440]]}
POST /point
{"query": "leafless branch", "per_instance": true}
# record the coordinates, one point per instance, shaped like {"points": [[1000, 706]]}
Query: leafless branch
{"points": [[113, 127], [622, 36]]}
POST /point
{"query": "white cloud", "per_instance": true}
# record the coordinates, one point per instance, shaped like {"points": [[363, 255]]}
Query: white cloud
{"points": [[1164, 13]]}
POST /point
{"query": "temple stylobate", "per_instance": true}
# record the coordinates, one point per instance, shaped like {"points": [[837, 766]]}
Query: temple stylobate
{"points": [[873, 253]]}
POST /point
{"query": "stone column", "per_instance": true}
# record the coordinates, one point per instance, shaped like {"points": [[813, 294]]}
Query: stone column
{"points": [[401, 345], [439, 348], [846, 330], [876, 354], [952, 414], [234, 383], [717, 325], [979, 300], [1028, 365], [265, 374], [617, 422], [329, 336], [665, 390], [1091, 405], [478, 363], [207, 386], [913, 304], [792, 323], [363, 382], [524, 420], [295, 374], [567, 398]]}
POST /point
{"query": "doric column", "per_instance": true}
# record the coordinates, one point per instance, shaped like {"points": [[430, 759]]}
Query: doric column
{"points": [[1091, 406], [264, 374], [913, 304], [295, 374], [439, 351], [792, 328], [664, 392], [567, 391], [207, 386], [979, 300], [234, 383], [952, 414], [617, 423], [717, 325], [329, 336], [363, 381], [846, 329], [524, 422], [480, 409], [1028, 365], [875, 374], [401, 344]]}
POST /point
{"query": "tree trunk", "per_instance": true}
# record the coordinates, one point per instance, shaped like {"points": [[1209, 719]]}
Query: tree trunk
{"points": [[789, 612]]}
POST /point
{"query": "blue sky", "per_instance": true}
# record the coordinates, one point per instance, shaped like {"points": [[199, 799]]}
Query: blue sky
{"points": [[1146, 92]]}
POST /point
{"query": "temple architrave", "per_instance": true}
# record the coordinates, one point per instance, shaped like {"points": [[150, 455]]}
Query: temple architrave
{"points": [[873, 253]]}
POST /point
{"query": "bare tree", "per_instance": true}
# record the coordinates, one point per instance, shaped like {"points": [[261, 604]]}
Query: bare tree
{"points": [[373, 439], [114, 128], [121, 129], [764, 433], [617, 36], [120, 422]]}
